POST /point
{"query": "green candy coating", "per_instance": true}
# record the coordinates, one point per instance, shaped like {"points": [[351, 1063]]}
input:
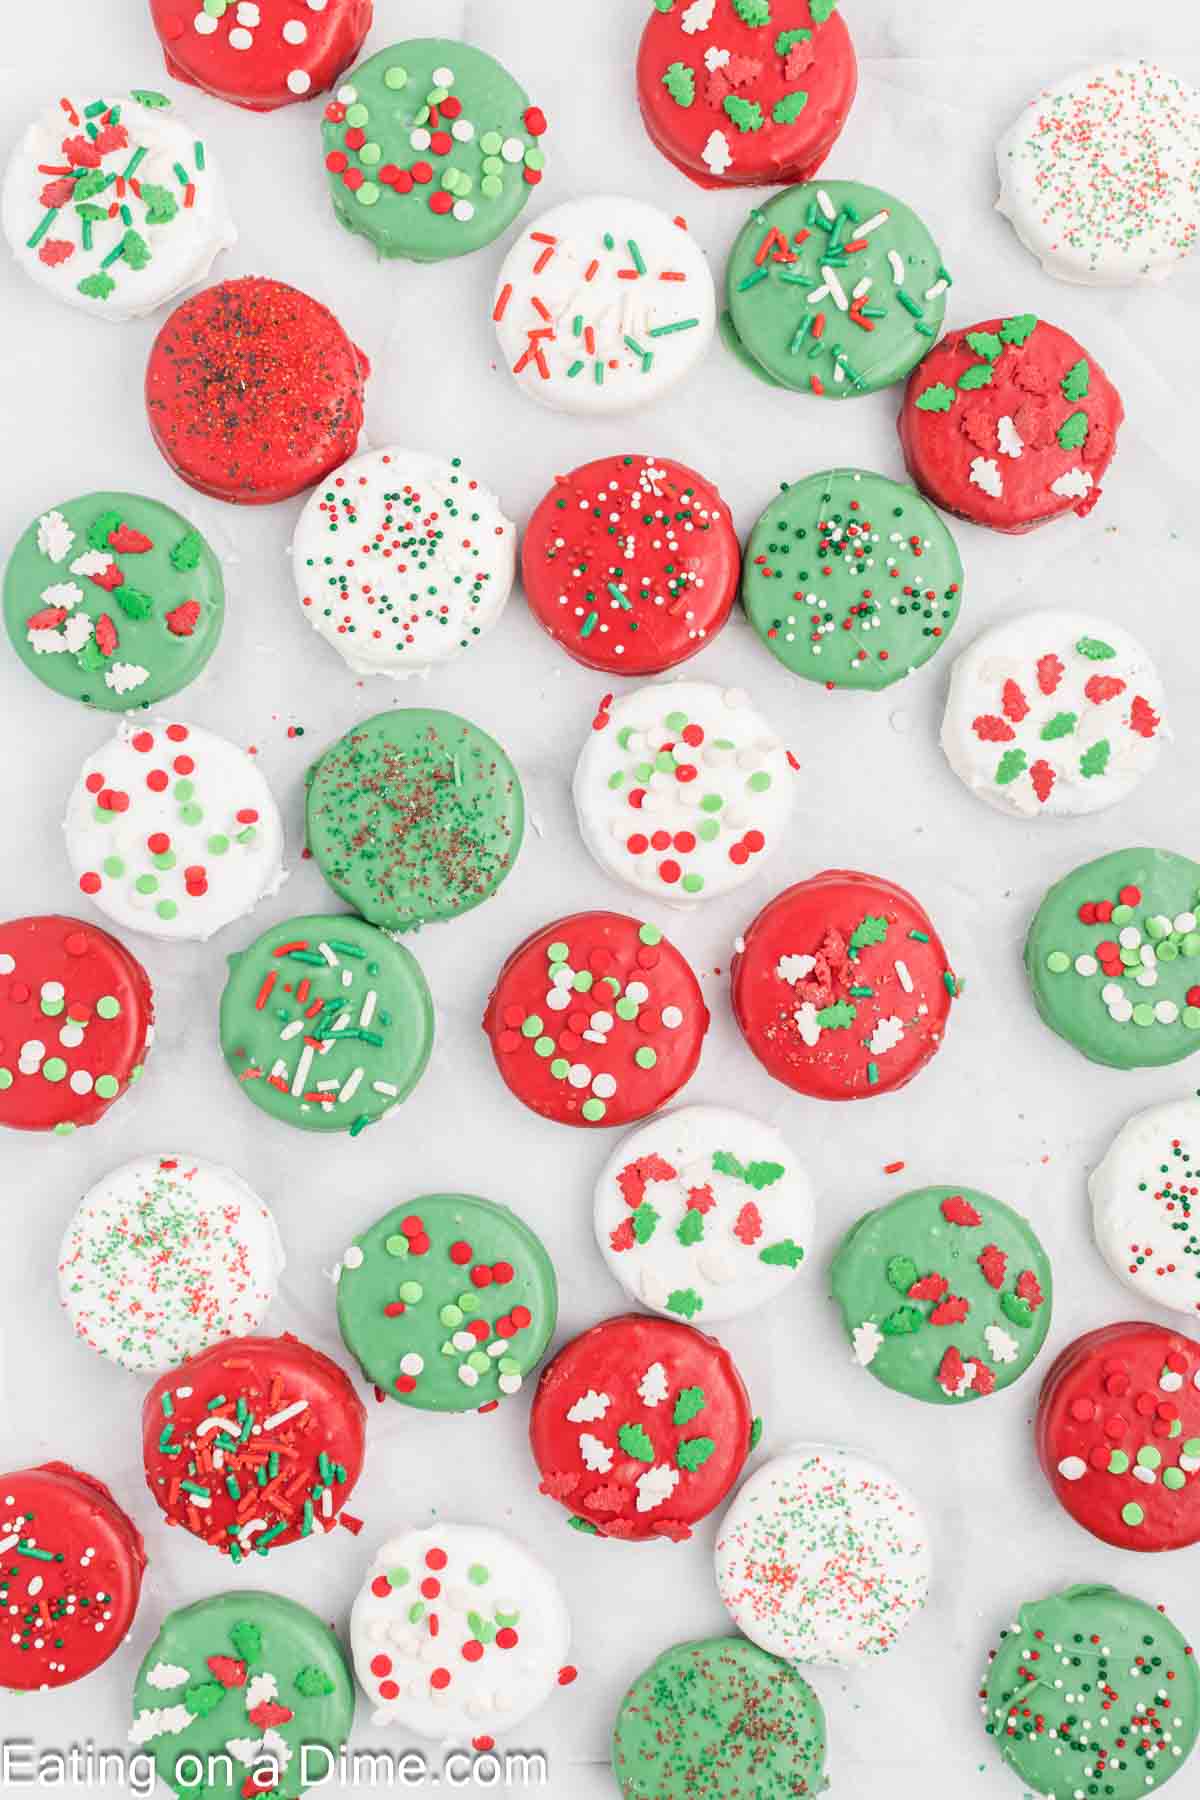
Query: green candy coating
{"points": [[774, 302], [387, 999], [270, 1636], [852, 624], [414, 816], [146, 648], [393, 92], [912, 1237], [411, 1352], [1114, 1018], [1088, 1640], [723, 1717]]}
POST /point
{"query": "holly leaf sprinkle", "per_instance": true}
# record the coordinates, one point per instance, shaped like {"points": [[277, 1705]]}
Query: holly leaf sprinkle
{"points": [[1061, 725], [903, 1322], [680, 83], [634, 1440], [753, 12], [690, 1228], [134, 603], [1077, 380], [871, 930], [202, 1697], [1018, 329], [979, 375], [684, 1301], [822, 10], [786, 39], [247, 1641], [745, 114], [1017, 1311], [1094, 760], [645, 1220], [693, 1453], [837, 1017], [688, 1402], [937, 398], [313, 1683], [1095, 649], [98, 286], [1011, 764], [1072, 433], [186, 553], [160, 203], [785, 1254], [789, 108], [901, 1272], [986, 344]]}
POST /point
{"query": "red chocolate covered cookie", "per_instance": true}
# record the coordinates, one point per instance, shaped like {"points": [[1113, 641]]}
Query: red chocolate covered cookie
{"points": [[841, 986], [1118, 1435], [1010, 424], [260, 53], [596, 1020], [254, 392], [76, 1021], [746, 92], [640, 1428], [70, 1575], [256, 1442], [631, 563]]}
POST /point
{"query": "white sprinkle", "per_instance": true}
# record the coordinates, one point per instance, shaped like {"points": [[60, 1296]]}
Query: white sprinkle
{"points": [[368, 1008], [330, 958], [388, 1088], [867, 1339], [896, 265], [586, 1410], [1073, 1468], [903, 976], [886, 1035], [596, 1454], [872, 224], [295, 31], [937, 290], [863, 287], [985, 473], [292, 1030], [826, 205], [288, 1412], [351, 1085], [1011, 441], [835, 288], [1074, 484], [302, 1068], [412, 1363], [299, 80]]}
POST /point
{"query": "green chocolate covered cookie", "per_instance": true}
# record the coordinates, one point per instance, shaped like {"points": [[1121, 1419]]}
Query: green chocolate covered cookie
{"points": [[243, 1682], [945, 1293], [414, 816], [114, 600], [447, 1303], [852, 580], [834, 288], [432, 149], [1091, 1692], [719, 1717], [326, 1023], [1114, 958]]}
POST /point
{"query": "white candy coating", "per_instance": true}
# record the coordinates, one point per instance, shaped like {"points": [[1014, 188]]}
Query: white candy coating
{"points": [[1146, 1205]]}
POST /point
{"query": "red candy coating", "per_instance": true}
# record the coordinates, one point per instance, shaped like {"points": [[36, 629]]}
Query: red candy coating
{"points": [[1121, 1399], [254, 392], [853, 1056], [76, 1011], [97, 1562], [659, 533], [256, 75], [616, 1359], [269, 1377]]}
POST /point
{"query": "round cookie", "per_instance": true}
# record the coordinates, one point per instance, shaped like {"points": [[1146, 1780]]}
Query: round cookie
{"points": [[833, 288], [448, 1303], [456, 1627], [640, 1427], [596, 1020], [248, 1681], [1053, 714], [603, 305], [1146, 1205], [1065, 1651], [841, 986], [114, 206], [1100, 175], [165, 1256], [1010, 424], [742, 93], [720, 1710], [263, 54], [254, 392], [70, 1575], [823, 1557], [682, 790], [173, 831], [945, 1294], [704, 1213], [253, 1444], [1118, 1435], [76, 1022], [431, 149], [848, 614], [402, 560], [654, 595], [316, 1049], [414, 817], [114, 600], [1112, 958]]}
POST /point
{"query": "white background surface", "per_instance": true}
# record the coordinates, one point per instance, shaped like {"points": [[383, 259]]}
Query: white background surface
{"points": [[1005, 1107]]}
